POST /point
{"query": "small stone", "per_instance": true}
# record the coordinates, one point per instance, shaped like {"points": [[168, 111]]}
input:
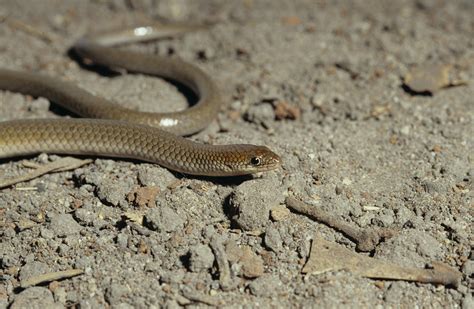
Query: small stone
{"points": [[114, 192], [428, 78], [201, 258], [279, 213], [25, 223], [35, 298], [233, 251], [46, 233], [317, 100], [63, 225], [33, 269], [405, 130], [266, 286], [273, 239], [43, 158], [468, 268], [261, 114], [252, 264], [39, 105], [122, 240], [163, 219], [85, 215], [252, 202], [60, 295], [283, 110], [172, 277], [144, 196], [115, 292], [467, 302]]}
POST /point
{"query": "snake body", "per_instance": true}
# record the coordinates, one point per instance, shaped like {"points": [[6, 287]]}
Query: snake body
{"points": [[122, 132]]}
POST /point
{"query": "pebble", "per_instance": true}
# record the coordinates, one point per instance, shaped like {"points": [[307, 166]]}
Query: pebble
{"points": [[143, 196], [428, 77], [114, 192], [35, 298], [32, 269], [468, 268], [170, 277], [261, 114], [60, 295], [87, 216], [46, 233], [265, 286], [149, 175], [251, 264], [122, 240], [201, 258], [163, 219], [279, 213], [63, 225], [467, 302], [273, 239], [115, 292], [91, 303], [39, 105], [252, 201]]}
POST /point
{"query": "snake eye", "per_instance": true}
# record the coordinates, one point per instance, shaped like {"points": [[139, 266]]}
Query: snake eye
{"points": [[255, 161]]}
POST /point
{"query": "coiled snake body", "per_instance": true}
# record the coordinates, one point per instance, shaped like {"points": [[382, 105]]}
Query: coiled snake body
{"points": [[121, 132]]}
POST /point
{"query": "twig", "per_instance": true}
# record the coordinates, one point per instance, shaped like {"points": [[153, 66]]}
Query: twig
{"points": [[63, 164], [222, 264], [50, 277], [139, 229], [366, 239], [201, 298], [30, 29]]}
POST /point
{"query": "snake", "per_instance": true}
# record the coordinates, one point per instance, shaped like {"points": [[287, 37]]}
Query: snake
{"points": [[110, 130]]}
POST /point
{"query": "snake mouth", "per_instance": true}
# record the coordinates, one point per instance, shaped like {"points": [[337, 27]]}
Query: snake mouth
{"points": [[273, 163]]}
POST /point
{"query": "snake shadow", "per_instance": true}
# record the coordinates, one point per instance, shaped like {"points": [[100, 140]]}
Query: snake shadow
{"points": [[223, 181], [191, 97]]}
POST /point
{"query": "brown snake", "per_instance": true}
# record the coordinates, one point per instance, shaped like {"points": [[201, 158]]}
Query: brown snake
{"points": [[127, 133]]}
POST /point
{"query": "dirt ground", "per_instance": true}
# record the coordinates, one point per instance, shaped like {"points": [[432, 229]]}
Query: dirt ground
{"points": [[318, 82]]}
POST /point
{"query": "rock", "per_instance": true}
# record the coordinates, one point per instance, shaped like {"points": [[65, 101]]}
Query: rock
{"points": [[32, 269], [115, 292], [261, 114], [63, 225], [35, 298], [143, 196], [251, 264], [273, 239], [252, 201], [284, 110], [428, 77], [163, 219], [150, 175], [122, 240], [467, 302], [468, 268], [265, 286], [114, 192], [279, 213], [201, 258]]}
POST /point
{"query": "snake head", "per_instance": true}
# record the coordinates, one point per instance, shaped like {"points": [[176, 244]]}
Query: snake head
{"points": [[262, 159], [251, 159]]}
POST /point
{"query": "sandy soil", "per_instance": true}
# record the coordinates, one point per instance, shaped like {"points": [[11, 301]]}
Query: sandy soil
{"points": [[359, 146]]}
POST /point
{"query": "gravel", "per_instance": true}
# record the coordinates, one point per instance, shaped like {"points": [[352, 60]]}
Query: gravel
{"points": [[318, 82]]}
